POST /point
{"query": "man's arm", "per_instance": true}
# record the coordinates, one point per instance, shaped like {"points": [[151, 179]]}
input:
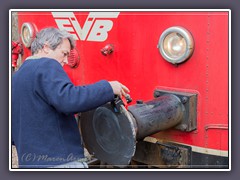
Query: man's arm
{"points": [[54, 86]]}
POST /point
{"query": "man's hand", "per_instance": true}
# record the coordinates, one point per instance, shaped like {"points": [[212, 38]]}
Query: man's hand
{"points": [[118, 88]]}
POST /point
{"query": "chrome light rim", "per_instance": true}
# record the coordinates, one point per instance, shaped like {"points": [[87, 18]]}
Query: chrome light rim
{"points": [[27, 41], [188, 40]]}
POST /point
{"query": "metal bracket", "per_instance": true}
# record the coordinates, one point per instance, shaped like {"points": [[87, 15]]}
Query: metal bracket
{"points": [[189, 100], [163, 155]]}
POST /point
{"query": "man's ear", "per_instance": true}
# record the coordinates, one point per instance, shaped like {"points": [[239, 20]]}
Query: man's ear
{"points": [[46, 48]]}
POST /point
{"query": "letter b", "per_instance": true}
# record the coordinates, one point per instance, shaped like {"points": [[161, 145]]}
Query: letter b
{"points": [[100, 30]]}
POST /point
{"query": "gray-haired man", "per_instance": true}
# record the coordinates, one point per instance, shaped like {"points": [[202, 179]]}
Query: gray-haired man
{"points": [[44, 102]]}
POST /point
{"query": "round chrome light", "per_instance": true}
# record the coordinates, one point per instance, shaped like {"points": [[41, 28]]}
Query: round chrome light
{"points": [[176, 44], [28, 33]]}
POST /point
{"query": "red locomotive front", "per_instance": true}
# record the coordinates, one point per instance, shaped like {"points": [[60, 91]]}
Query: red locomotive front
{"points": [[176, 65]]}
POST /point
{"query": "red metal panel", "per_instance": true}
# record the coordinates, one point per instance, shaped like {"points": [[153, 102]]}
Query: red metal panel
{"points": [[137, 63]]}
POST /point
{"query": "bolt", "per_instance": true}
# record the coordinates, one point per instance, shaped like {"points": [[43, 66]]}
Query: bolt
{"points": [[183, 127], [184, 99], [157, 94]]}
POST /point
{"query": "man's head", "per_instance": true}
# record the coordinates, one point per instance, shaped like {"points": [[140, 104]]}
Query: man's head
{"points": [[53, 43]]}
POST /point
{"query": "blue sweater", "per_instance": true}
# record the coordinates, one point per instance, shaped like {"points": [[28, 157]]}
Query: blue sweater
{"points": [[44, 102]]}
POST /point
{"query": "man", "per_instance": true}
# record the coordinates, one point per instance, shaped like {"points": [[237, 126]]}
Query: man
{"points": [[44, 102]]}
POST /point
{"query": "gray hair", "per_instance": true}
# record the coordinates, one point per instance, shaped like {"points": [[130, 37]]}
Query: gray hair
{"points": [[53, 37]]}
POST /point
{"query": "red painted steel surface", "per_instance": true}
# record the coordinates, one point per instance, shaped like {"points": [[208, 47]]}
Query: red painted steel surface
{"points": [[137, 63]]}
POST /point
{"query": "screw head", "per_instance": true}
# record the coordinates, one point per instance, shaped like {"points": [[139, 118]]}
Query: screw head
{"points": [[184, 100], [157, 94]]}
